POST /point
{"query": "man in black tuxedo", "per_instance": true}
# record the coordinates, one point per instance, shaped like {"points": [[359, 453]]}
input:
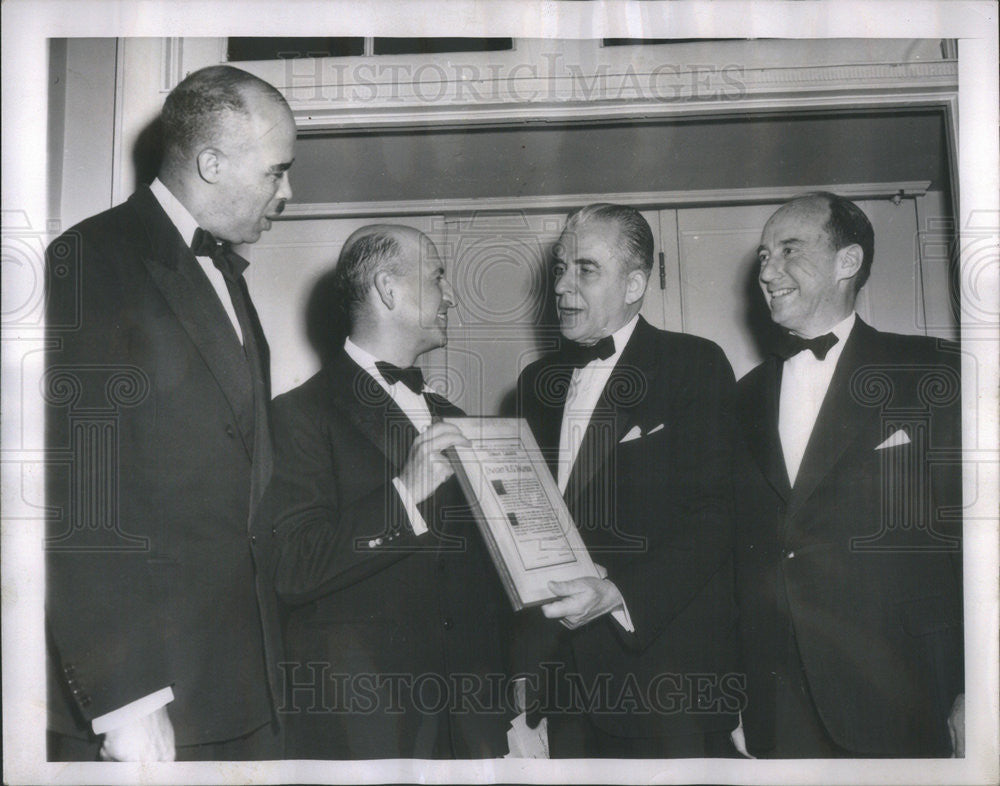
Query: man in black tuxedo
{"points": [[396, 625], [638, 426], [157, 392], [849, 513]]}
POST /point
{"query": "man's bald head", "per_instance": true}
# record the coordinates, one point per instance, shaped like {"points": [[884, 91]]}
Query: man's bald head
{"points": [[394, 292], [844, 222], [201, 111], [370, 250]]}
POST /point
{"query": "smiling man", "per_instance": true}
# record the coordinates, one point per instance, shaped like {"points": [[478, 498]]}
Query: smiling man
{"points": [[849, 514], [637, 424], [397, 620], [160, 631]]}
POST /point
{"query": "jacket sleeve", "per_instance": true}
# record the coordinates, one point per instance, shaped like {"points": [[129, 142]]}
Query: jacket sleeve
{"points": [[321, 542], [104, 610]]}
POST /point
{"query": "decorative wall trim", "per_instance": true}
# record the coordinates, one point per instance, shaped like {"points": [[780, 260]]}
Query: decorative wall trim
{"points": [[608, 96], [559, 202], [566, 84], [171, 63], [118, 128]]}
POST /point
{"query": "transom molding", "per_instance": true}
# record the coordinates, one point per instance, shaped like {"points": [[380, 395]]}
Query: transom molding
{"points": [[564, 202]]}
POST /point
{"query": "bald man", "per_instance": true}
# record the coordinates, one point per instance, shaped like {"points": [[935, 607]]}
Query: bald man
{"points": [[849, 530], [160, 633], [396, 623]]}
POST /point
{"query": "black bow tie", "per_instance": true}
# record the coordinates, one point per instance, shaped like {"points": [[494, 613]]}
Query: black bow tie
{"points": [[790, 345], [412, 377], [226, 261], [579, 355]]}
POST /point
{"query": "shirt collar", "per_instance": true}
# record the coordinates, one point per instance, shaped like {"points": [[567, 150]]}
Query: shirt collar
{"points": [[843, 328], [622, 335], [179, 215], [367, 361], [363, 358]]}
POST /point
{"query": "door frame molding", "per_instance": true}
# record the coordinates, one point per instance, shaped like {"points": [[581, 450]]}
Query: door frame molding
{"points": [[558, 202]]}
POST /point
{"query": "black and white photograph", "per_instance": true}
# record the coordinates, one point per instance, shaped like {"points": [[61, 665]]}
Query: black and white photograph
{"points": [[531, 391]]}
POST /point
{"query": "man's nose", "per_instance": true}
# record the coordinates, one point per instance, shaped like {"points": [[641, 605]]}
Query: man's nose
{"points": [[564, 283], [768, 270], [284, 188], [447, 293]]}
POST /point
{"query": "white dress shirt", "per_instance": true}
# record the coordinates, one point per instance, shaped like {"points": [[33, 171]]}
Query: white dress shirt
{"points": [[585, 388], [414, 407], [804, 383], [186, 225]]}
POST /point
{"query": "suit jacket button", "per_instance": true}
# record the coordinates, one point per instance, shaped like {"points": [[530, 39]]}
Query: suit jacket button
{"points": [[85, 701], [449, 623], [253, 538], [230, 431], [790, 555]]}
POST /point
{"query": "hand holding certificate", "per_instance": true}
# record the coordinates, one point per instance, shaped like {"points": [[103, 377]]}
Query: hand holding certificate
{"points": [[519, 510]]}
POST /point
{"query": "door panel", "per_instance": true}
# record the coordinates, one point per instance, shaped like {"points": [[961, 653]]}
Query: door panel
{"points": [[719, 298], [498, 264]]}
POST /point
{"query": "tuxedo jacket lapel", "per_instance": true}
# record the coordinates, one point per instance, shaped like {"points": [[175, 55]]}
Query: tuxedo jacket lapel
{"points": [[359, 396], [552, 385], [176, 273], [633, 375], [841, 417], [760, 419]]}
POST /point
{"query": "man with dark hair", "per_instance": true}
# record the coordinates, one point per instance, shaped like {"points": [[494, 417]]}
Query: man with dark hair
{"points": [[637, 424], [397, 621], [849, 515], [157, 388]]}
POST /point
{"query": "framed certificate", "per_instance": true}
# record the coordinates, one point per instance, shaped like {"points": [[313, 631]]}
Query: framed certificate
{"points": [[518, 508]]}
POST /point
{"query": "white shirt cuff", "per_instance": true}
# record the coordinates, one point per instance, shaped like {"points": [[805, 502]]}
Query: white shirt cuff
{"points": [[139, 708], [417, 523], [623, 618]]}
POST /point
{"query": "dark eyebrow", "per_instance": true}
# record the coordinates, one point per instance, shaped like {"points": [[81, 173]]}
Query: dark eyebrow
{"points": [[282, 167], [586, 261]]}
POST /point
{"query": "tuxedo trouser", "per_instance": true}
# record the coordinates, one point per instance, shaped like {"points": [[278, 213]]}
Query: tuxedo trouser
{"points": [[799, 730], [263, 744]]}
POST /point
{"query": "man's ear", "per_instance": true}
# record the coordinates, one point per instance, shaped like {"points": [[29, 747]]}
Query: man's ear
{"points": [[385, 287], [635, 287], [211, 162], [849, 260]]}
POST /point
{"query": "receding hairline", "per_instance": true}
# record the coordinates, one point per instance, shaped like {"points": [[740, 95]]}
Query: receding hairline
{"points": [[809, 204], [617, 244], [209, 104], [398, 232]]}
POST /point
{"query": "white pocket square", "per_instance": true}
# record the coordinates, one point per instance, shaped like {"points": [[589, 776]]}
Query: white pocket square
{"points": [[635, 433], [898, 437]]}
